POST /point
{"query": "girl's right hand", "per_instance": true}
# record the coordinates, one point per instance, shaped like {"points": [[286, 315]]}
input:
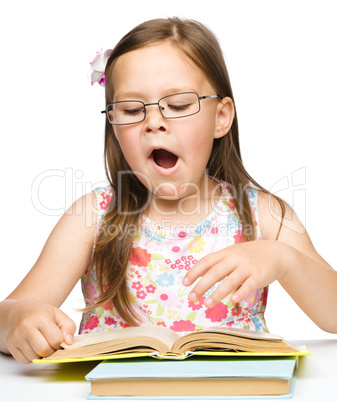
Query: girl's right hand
{"points": [[31, 325], [36, 329]]}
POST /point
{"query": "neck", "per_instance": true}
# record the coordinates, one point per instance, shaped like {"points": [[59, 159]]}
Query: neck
{"points": [[190, 209]]}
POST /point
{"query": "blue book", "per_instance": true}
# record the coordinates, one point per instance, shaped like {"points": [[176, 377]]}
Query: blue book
{"points": [[195, 378]]}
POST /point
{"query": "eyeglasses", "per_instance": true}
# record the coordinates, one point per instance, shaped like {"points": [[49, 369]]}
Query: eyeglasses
{"points": [[173, 106]]}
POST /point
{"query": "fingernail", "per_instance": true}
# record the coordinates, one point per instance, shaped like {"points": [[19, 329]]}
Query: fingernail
{"points": [[193, 296], [69, 339], [186, 281], [234, 298], [209, 302]]}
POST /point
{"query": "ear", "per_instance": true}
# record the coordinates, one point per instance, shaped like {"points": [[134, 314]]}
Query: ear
{"points": [[224, 117]]}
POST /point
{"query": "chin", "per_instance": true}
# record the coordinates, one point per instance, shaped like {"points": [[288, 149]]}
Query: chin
{"points": [[169, 193]]}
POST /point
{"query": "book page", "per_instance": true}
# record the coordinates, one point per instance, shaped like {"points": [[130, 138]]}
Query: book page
{"points": [[165, 335], [182, 387], [236, 339], [240, 332]]}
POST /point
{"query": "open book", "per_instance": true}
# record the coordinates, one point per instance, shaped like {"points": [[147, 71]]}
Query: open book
{"points": [[163, 342]]}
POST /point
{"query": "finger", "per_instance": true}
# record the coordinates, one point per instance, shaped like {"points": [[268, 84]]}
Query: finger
{"points": [[19, 347], [246, 289], [66, 325], [217, 273], [24, 354], [229, 285], [51, 333], [18, 355], [22, 358], [201, 267], [41, 343], [29, 352]]}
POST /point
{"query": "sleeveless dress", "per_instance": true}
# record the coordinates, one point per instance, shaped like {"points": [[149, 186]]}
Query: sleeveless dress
{"points": [[159, 261]]}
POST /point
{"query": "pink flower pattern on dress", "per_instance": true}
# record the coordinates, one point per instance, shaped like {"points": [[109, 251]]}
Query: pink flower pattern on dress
{"points": [[150, 289], [183, 326], [238, 237], [197, 305], [89, 290], [141, 294], [140, 257], [92, 323], [217, 313], [252, 299], [158, 263], [137, 285], [106, 200], [110, 321]]}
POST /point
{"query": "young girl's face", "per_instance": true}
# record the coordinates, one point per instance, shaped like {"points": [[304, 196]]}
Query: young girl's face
{"points": [[148, 74]]}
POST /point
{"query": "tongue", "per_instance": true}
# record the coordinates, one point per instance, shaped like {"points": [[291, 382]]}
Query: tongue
{"points": [[164, 159]]}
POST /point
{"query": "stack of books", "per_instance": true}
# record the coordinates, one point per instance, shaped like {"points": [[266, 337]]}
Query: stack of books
{"points": [[196, 377], [216, 363]]}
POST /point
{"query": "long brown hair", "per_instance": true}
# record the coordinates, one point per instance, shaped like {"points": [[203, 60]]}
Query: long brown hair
{"points": [[114, 243]]}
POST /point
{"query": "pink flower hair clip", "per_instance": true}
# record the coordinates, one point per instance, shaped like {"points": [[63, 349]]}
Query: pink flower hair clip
{"points": [[97, 67]]}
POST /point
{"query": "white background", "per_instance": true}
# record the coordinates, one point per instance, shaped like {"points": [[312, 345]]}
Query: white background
{"points": [[281, 57]]}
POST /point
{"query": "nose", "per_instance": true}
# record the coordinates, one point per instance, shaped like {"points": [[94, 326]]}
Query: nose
{"points": [[154, 120]]}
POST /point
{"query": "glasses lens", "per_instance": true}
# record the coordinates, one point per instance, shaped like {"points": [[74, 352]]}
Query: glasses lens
{"points": [[125, 112], [179, 105]]}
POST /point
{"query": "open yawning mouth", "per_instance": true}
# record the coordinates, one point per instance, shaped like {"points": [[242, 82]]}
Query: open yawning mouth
{"points": [[164, 158]]}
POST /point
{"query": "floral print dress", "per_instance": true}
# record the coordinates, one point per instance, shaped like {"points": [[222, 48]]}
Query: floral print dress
{"points": [[159, 261]]}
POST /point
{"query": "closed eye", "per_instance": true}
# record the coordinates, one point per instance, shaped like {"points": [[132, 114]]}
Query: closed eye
{"points": [[132, 112], [178, 108]]}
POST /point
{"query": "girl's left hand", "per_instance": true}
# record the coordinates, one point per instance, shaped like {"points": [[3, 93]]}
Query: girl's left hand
{"points": [[246, 266]]}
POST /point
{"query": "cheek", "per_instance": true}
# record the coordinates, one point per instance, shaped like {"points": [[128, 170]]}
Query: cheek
{"points": [[197, 135], [119, 133], [127, 141]]}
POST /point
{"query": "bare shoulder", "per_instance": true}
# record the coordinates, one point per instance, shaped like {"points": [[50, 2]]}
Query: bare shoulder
{"points": [[78, 223], [291, 231], [83, 212], [270, 216], [65, 255]]}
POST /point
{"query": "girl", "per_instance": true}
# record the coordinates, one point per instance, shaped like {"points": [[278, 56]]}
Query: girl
{"points": [[183, 237]]}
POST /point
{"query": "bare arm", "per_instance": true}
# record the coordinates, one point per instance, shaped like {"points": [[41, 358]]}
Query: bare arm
{"points": [[309, 279], [31, 324], [292, 260]]}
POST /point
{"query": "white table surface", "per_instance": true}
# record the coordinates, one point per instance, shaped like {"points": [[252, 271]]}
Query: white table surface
{"points": [[317, 380]]}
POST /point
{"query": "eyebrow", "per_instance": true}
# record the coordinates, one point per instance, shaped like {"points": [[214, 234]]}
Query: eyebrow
{"points": [[138, 96], [128, 95]]}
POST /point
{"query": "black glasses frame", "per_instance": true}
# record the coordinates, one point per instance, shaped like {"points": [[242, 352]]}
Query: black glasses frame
{"points": [[159, 107]]}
